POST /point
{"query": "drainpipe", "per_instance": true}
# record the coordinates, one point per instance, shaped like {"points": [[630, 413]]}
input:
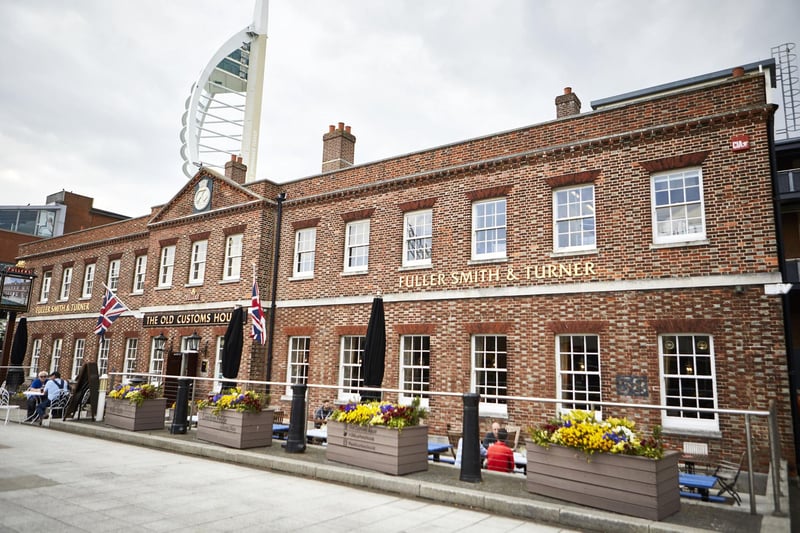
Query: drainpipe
{"points": [[276, 256]]}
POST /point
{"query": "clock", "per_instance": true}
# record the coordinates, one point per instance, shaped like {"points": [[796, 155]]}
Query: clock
{"points": [[202, 196]]}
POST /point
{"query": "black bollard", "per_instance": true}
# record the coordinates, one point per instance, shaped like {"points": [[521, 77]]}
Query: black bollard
{"points": [[181, 407], [470, 446], [296, 440]]}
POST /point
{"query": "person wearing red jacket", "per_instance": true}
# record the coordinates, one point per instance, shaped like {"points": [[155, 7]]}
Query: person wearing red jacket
{"points": [[499, 457]]}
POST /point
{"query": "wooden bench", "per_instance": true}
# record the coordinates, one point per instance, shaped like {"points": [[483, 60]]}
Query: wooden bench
{"points": [[702, 484]]}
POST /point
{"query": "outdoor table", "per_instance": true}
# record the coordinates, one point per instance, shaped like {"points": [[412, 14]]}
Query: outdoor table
{"points": [[699, 482], [320, 434], [521, 461], [280, 429], [436, 449]]}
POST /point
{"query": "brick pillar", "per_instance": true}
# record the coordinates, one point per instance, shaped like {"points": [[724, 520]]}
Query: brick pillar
{"points": [[236, 170], [338, 148], [567, 104]]}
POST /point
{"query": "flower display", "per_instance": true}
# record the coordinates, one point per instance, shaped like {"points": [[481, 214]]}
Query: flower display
{"points": [[582, 430], [135, 394], [237, 400], [380, 414]]}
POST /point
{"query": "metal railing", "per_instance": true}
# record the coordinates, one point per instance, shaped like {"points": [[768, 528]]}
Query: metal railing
{"points": [[770, 415]]}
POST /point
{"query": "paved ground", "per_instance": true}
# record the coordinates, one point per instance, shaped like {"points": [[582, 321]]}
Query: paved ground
{"points": [[110, 472]]}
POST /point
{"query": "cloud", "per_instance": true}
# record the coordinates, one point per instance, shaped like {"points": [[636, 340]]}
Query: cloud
{"points": [[94, 90]]}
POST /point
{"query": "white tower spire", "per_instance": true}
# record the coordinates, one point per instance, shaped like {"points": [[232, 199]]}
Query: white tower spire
{"points": [[223, 112]]}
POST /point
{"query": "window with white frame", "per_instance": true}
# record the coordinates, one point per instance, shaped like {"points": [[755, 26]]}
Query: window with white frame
{"points": [[140, 271], [88, 281], [36, 352], [417, 238], [297, 370], [102, 356], [489, 373], [66, 281], [688, 380], [197, 268], [44, 293], [305, 242], [129, 366], [113, 275], [415, 368], [156, 360], [574, 223], [55, 360], [218, 365], [356, 250], [167, 266], [351, 351], [677, 198], [578, 367], [77, 357], [233, 257], [489, 229]]}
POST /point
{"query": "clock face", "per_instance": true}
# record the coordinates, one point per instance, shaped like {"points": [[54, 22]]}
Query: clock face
{"points": [[201, 198]]}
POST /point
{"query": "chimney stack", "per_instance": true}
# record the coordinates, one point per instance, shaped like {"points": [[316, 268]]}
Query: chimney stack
{"points": [[338, 148], [236, 170], [567, 104]]}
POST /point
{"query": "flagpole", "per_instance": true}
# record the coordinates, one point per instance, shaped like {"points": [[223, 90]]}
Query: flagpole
{"points": [[276, 250], [118, 298]]}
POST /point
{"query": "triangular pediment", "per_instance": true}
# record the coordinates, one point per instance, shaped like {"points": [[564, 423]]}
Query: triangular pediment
{"points": [[205, 192]]}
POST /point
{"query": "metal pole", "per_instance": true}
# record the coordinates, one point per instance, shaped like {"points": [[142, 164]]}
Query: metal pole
{"points": [[179, 417], [775, 457], [276, 257], [9, 336], [470, 445], [296, 440], [750, 480]]}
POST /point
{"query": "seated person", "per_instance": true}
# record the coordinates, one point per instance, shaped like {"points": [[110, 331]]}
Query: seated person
{"points": [[51, 389], [32, 400], [490, 438], [322, 413], [499, 457]]}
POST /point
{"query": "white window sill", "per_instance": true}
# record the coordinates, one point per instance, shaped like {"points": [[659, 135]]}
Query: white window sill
{"points": [[301, 278], [194, 284], [569, 253], [405, 268], [693, 432], [232, 280], [698, 242], [487, 261], [163, 287], [355, 272]]}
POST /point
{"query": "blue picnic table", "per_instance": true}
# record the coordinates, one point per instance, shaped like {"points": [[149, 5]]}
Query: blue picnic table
{"points": [[436, 449], [702, 484]]}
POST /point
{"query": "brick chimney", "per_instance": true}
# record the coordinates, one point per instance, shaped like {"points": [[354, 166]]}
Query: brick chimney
{"points": [[338, 148], [567, 104], [236, 170]]}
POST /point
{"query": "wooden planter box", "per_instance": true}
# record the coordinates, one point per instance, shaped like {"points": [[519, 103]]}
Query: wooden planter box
{"points": [[126, 415], [626, 484], [383, 449], [236, 429]]}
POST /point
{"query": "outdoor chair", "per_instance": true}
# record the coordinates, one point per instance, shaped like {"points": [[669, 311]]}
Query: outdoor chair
{"points": [[5, 399], [513, 436], [453, 437], [58, 407], [727, 473]]}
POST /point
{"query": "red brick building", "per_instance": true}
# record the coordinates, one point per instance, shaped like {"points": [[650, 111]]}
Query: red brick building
{"points": [[618, 255]]}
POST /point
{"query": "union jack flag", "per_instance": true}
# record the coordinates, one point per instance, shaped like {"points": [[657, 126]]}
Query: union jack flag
{"points": [[259, 330], [112, 308]]}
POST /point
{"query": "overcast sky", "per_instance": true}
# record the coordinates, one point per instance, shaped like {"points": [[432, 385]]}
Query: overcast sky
{"points": [[93, 91]]}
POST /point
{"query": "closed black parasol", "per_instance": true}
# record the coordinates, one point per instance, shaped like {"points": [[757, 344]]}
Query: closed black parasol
{"points": [[232, 348], [372, 364], [16, 375]]}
